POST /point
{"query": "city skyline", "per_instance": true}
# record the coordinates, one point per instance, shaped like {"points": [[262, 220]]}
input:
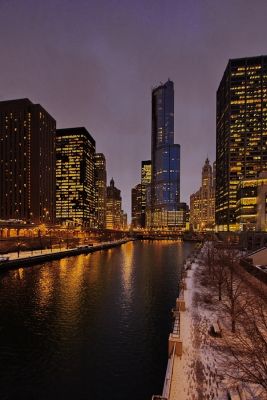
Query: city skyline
{"points": [[96, 50]]}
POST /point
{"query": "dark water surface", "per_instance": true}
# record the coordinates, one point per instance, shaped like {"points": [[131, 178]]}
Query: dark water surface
{"points": [[90, 327]]}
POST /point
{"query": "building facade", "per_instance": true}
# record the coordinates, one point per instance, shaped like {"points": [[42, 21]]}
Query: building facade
{"points": [[261, 224], [27, 162], [124, 220], [75, 178], [195, 210], [137, 206], [165, 160], [241, 132], [114, 213], [251, 203], [100, 190], [202, 203], [145, 185]]}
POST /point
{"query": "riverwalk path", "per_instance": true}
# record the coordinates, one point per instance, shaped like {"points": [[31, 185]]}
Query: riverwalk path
{"points": [[203, 350], [25, 258]]}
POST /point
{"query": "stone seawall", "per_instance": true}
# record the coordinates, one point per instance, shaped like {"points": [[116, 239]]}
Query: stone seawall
{"points": [[34, 259]]}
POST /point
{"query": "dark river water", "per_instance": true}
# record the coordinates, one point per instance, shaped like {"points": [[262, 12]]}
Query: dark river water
{"points": [[90, 327]]}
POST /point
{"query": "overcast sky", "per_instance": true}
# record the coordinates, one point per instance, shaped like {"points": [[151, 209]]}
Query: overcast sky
{"points": [[93, 63]]}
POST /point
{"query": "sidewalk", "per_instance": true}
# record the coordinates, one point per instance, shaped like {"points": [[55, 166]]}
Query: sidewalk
{"points": [[38, 256], [34, 253]]}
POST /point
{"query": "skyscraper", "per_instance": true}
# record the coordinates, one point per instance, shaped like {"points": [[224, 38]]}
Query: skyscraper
{"points": [[114, 213], [101, 190], [165, 157], [241, 134], [145, 185], [75, 193], [27, 162], [136, 206]]}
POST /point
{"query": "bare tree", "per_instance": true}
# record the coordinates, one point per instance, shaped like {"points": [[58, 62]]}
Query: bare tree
{"points": [[248, 348], [209, 258], [236, 298], [219, 272], [232, 258]]}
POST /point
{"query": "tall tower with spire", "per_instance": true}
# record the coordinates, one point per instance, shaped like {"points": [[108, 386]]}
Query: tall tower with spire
{"points": [[165, 159]]}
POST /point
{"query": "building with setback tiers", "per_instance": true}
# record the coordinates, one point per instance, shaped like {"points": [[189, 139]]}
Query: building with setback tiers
{"points": [[202, 202], [241, 132], [101, 190], [27, 162], [75, 179], [165, 159], [114, 213]]}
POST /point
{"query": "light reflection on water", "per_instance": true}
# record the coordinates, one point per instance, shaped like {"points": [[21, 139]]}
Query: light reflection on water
{"points": [[89, 327]]}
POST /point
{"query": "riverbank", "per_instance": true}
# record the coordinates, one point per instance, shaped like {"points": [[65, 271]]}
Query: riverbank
{"points": [[28, 258], [209, 357]]}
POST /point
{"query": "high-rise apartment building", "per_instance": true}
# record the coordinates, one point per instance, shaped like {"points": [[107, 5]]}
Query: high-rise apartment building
{"points": [[101, 190], [241, 135], [165, 158], [75, 188], [137, 206], [145, 185], [27, 162], [202, 202], [114, 214]]}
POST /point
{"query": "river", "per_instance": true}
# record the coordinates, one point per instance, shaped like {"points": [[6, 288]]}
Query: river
{"points": [[91, 327]]}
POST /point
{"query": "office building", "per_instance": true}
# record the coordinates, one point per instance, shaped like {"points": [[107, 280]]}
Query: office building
{"points": [[27, 162], [195, 211], [145, 185], [251, 203], [241, 133], [75, 188], [124, 220], [101, 190], [137, 206], [165, 159], [114, 213], [202, 202]]}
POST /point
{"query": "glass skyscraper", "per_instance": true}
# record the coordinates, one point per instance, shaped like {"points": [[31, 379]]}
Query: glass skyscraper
{"points": [[165, 158]]}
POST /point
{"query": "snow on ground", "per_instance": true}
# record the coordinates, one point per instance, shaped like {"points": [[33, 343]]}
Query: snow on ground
{"points": [[194, 374], [198, 374]]}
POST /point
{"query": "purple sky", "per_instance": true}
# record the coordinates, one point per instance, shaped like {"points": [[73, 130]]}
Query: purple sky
{"points": [[93, 63]]}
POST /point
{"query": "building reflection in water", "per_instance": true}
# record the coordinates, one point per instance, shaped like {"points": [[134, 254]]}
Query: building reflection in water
{"points": [[127, 268], [45, 287]]}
